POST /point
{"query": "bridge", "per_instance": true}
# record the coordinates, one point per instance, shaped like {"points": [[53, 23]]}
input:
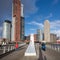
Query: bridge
{"points": [[52, 53]]}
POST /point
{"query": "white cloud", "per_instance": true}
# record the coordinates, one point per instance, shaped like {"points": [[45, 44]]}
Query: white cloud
{"points": [[55, 24], [36, 23], [49, 16], [32, 29], [38, 18], [29, 6], [55, 27], [56, 32]]}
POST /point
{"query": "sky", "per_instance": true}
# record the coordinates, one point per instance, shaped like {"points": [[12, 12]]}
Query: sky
{"points": [[35, 13]]}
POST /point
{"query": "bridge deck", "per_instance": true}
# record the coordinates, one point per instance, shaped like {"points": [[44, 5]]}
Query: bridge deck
{"points": [[49, 54], [18, 55]]}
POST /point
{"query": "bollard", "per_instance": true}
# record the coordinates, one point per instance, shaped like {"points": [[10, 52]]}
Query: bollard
{"points": [[58, 48], [11, 47], [4, 49], [51, 46], [8, 48], [55, 48]]}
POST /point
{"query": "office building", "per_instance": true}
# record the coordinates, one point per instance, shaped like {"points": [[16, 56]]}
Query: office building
{"points": [[53, 37], [46, 31], [22, 23], [39, 35], [35, 37], [16, 20], [7, 30]]}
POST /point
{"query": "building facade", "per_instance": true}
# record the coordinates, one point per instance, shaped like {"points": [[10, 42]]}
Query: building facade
{"points": [[7, 30], [35, 37], [22, 29], [53, 37], [22, 24], [13, 30], [39, 35], [46, 31], [16, 16], [17, 21]]}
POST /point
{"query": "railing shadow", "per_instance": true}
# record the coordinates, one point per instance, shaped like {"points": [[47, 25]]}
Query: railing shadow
{"points": [[44, 58], [40, 54]]}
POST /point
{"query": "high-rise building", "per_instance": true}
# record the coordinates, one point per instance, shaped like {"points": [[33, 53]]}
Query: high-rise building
{"points": [[22, 23], [13, 30], [7, 30], [46, 31], [39, 35], [22, 10], [16, 20], [22, 29]]}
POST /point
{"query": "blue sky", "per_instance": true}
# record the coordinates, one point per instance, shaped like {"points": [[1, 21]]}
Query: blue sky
{"points": [[35, 13]]}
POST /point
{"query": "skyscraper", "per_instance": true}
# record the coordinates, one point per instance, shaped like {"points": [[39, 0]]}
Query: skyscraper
{"points": [[7, 30], [47, 31], [22, 23], [39, 35], [16, 20]]}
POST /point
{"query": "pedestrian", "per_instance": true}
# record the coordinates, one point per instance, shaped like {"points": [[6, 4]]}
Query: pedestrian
{"points": [[16, 45], [43, 46]]}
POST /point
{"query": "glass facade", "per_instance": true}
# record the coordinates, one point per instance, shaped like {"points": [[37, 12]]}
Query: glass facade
{"points": [[22, 28]]}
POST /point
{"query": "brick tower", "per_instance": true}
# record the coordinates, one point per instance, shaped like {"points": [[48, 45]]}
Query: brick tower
{"points": [[16, 14]]}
